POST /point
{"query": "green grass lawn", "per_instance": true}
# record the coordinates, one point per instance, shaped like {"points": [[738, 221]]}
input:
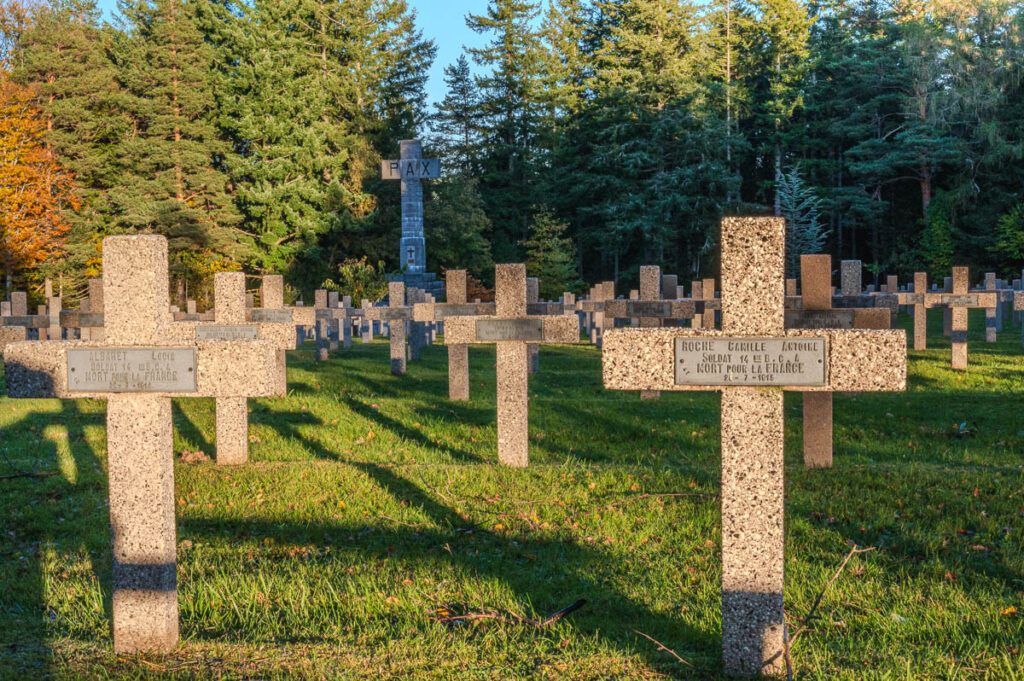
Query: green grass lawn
{"points": [[372, 504]]}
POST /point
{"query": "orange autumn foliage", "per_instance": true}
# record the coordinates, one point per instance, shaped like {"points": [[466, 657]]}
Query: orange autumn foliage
{"points": [[33, 187]]}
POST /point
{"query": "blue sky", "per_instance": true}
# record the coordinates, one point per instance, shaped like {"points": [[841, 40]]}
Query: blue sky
{"points": [[441, 20]]}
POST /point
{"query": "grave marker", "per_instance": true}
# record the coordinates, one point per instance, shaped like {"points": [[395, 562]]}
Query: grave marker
{"points": [[511, 329], [140, 366], [761, 359], [396, 311], [411, 169], [816, 313]]}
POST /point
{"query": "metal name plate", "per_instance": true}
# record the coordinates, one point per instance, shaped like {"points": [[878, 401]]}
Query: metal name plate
{"points": [[81, 320], [641, 308], [852, 301], [446, 310], [396, 313], [218, 332], [751, 361], [132, 370], [29, 321], [264, 316], [953, 300], [510, 329], [544, 308], [820, 319]]}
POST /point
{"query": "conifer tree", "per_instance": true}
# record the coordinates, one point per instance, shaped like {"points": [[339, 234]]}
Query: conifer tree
{"points": [[550, 256], [456, 121]]}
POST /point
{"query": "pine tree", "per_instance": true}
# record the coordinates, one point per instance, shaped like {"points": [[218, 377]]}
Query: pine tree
{"points": [[63, 55], [510, 95], [455, 223], [550, 256], [174, 160], [456, 121], [805, 234]]}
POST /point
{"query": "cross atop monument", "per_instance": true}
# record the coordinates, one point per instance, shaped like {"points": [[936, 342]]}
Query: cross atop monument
{"points": [[411, 168]]}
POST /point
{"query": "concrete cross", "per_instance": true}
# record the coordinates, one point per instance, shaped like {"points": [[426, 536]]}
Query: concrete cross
{"points": [[396, 314], [957, 300], [752, 360], [411, 169], [230, 323], [816, 313], [458, 353], [511, 330], [145, 360], [650, 309]]}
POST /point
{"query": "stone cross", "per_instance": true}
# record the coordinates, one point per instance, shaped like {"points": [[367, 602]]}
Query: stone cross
{"points": [[145, 360], [511, 330], [396, 314], [816, 313], [272, 309], [458, 353], [752, 360], [958, 299], [232, 413], [532, 349], [411, 169], [650, 309]]}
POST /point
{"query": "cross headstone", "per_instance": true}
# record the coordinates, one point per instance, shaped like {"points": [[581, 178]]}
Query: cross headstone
{"points": [[511, 329], [532, 349], [957, 300], [411, 168], [458, 353], [141, 365], [230, 323], [650, 309], [752, 360], [396, 314], [816, 313]]}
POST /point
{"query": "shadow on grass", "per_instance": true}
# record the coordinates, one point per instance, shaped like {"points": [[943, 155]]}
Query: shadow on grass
{"points": [[556, 573], [42, 512]]}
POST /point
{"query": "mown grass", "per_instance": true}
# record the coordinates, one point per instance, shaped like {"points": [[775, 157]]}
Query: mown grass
{"points": [[371, 502]]}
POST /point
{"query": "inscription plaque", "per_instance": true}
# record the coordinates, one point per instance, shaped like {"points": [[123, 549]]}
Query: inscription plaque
{"points": [[750, 361], [462, 310], [81, 320], [132, 370], [396, 313], [820, 319], [265, 316], [960, 300], [217, 332], [544, 308], [29, 321], [510, 329]]}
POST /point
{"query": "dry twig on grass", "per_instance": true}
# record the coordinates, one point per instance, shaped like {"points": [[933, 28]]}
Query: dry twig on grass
{"points": [[665, 648], [512, 618], [812, 613], [29, 474]]}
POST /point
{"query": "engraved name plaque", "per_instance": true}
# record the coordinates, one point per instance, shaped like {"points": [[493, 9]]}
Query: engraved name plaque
{"points": [[819, 319], [960, 300], [510, 329], [396, 313], [750, 361], [216, 332], [461, 310], [132, 370], [265, 316]]}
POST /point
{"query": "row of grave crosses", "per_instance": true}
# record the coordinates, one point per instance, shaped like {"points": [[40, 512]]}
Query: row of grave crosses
{"points": [[138, 357]]}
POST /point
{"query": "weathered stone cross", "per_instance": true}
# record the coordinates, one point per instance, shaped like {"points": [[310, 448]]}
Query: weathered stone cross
{"points": [[752, 360], [816, 313], [650, 309], [458, 353], [145, 360], [396, 314], [511, 330], [958, 301]]}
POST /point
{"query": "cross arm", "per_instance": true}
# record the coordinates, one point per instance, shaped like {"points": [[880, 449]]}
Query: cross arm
{"points": [[436, 312], [856, 360], [30, 321], [536, 329], [667, 309], [222, 368]]}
